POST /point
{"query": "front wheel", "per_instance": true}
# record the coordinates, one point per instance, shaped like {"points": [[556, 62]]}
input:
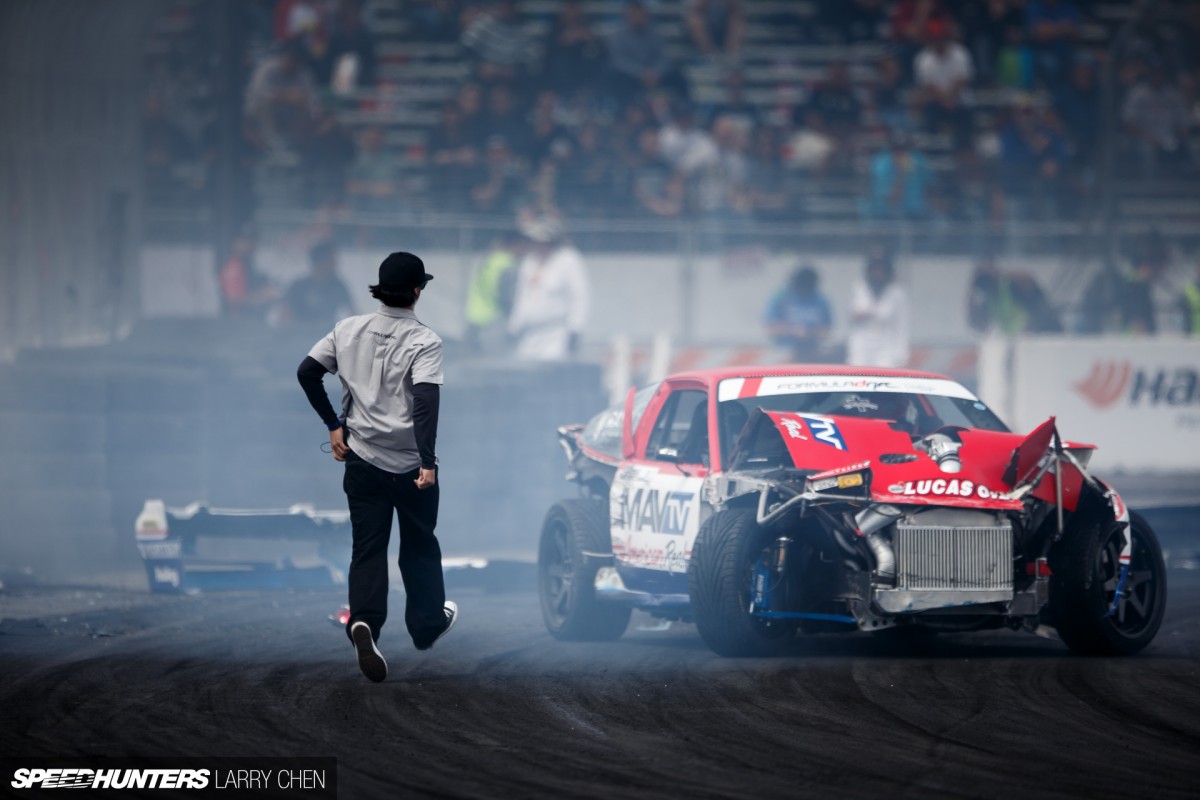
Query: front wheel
{"points": [[566, 582], [720, 583], [1087, 576]]}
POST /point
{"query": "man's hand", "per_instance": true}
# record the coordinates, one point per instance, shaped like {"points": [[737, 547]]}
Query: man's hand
{"points": [[426, 478], [337, 443]]}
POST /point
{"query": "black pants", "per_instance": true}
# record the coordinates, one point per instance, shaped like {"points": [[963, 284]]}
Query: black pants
{"points": [[373, 494]]}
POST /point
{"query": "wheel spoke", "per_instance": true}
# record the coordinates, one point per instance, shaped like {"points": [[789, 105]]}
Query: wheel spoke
{"points": [[1139, 605], [560, 601]]}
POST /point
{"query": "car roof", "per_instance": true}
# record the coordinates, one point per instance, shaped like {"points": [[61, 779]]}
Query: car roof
{"points": [[713, 376]]}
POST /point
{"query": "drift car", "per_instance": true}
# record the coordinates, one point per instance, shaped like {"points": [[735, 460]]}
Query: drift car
{"points": [[762, 501]]}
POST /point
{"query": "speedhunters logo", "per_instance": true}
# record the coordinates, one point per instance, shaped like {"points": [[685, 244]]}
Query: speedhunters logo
{"points": [[67, 778], [1110, 382], [264, 777]]}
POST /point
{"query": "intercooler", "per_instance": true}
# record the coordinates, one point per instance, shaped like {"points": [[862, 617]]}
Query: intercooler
{"points": [[940, 566]]}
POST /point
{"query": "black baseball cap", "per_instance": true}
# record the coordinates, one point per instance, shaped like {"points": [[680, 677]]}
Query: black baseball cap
{"points": [[402, 271]]}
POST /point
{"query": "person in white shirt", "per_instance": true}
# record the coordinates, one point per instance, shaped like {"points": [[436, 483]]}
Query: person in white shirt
{"points": [[878, 317], [944, 72], [550, 305]]}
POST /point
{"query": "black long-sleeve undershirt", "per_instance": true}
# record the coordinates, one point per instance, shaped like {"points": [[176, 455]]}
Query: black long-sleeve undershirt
{"points": [[311, 373], [426, 404], [426, 401]]}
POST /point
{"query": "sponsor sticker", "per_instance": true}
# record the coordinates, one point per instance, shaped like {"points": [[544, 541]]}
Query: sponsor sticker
{"points": [[944, 487], [794, 428], [824, 431], [730, 389]]}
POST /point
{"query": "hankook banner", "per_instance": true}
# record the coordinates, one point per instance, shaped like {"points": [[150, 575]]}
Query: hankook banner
{"points": [[1136, 399]]}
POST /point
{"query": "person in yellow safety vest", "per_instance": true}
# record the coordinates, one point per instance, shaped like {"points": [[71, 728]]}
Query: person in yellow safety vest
{"points": [[1189, 305], [490, 295]]}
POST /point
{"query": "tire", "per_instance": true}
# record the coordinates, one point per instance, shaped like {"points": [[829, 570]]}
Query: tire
{"points": [[1085, 575], [566, 583], [720, 575]]}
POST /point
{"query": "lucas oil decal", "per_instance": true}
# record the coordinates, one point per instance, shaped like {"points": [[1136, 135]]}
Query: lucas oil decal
{"points": [[941, 487]]}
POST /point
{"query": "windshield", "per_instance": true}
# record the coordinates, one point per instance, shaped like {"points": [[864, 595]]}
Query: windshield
{"points": [[916, 412]]}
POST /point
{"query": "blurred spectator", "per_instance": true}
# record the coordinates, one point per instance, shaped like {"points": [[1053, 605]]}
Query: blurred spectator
{"points": [[1054, 28], [900, 182], [1157, 119], [453, 158], [657, 188], [1136, 299], [503, 50], [988, 27], [685, 146], [574, 52], [349, 60], [1011, 304], [767, 183], [908, 24], [886, 100], [943, 74], [1032, 158], [586, 178], [285, 119], [295, 19], [472, 118], [638, 58], [720, 183], [373, 178], [1115, 301], [836, 100], [319, 299], [878, 317], [502, 117], [490, 295], [497, 183], [1078, 103], [811, 148], [245, 292], [716, 27], [855, 20], [544, 137], [552, 296], [1189, 305], [735, 106], [434, 20], [168, 155], [798, 316], [282, 109]]}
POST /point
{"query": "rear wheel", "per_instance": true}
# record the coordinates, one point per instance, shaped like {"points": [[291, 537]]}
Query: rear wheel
{"points": [[566, 581], [720, 583], [1087, 574]]}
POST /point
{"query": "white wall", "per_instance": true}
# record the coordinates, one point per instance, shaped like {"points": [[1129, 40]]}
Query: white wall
{"points": [[635, 295]]}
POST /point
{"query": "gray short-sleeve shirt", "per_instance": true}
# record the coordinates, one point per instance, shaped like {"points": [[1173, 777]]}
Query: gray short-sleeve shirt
{"points": [[378, 358]]}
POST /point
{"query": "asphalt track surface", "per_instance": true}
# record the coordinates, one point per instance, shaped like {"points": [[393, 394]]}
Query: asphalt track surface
{"points": [[500, 709]]}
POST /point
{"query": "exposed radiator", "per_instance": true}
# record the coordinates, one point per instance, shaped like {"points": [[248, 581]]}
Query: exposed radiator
{"points": [[962, 558]]}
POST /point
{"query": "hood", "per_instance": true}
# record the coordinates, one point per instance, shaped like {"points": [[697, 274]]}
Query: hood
{"points": [[953, 467]]}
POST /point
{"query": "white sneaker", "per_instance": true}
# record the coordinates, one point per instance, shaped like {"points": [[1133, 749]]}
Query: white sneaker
{"points": [[370, 660], [451, 608]]}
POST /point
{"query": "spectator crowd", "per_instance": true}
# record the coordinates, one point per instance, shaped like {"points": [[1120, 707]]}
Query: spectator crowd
{"points": [[596, 117]]}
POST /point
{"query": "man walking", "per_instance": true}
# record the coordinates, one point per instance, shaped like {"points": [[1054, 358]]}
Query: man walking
{"points": [[390, 366]]}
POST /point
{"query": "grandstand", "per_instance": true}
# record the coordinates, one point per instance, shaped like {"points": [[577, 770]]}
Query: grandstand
{"points": [[788, 50]]}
